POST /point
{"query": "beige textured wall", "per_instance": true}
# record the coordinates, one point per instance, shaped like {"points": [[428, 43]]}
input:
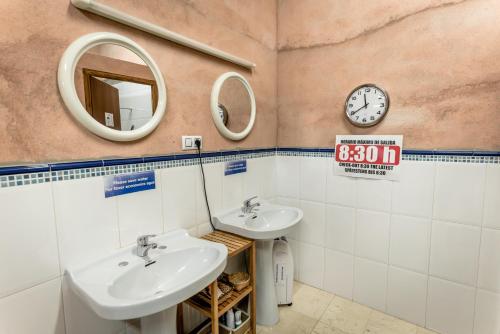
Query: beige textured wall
{"points": [[34, 124], [439, 60]]}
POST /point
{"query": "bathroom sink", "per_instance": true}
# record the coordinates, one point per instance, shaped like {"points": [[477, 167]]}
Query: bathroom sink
{"points": [[266, 221], [121, 286], [263, 222]]}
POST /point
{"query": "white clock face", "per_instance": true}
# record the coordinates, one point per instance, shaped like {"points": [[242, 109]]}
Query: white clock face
{"points": [[366, 105]]}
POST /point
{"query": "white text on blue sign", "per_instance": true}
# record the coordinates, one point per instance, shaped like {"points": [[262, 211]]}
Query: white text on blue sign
{"points": [[116, 185]]}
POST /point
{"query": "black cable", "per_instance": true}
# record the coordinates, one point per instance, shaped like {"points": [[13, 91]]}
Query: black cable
{"points": [[198, 144]]}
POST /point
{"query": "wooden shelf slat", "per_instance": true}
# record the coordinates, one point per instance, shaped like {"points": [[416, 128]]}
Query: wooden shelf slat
{"points": [[205, 308], [235, 245]]}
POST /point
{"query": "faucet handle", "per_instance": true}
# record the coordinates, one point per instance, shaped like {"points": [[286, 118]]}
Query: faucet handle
{"points": [[144, 239], [247, 201]]}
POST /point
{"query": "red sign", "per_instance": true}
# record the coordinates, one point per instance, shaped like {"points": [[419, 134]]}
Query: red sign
{"points": [[368, 154]]}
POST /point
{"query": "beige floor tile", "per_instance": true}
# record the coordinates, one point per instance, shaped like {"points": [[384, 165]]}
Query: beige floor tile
{"points": [[381, 323], [297, 286], [291, 322], [347, 316], [322, 328], [310, 301], [421, 330]]}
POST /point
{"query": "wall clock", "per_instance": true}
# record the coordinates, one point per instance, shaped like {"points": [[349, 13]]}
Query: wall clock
{"points": [[366, 105]]}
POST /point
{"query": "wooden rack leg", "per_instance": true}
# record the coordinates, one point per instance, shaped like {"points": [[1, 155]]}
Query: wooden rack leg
{"points": [[215, 308], [180, 319], [253, 295]]}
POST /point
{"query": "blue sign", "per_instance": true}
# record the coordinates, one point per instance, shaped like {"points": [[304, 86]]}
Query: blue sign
{"points": [[235, 167], [116, 185]]}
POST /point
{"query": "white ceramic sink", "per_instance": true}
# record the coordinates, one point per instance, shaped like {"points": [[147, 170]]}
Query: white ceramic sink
{"points": [[119, 292], [267, 221]]}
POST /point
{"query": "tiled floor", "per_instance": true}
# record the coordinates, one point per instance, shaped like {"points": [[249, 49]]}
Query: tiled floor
{"points": [[319, 312]]}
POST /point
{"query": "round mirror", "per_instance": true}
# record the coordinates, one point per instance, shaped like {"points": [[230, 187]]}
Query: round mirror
{"points": [[233, 106], [112, 86]]}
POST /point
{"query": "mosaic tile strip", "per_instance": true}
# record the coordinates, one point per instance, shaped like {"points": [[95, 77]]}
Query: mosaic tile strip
{"points": [[408, 155], [14, 176], [84, 169]]}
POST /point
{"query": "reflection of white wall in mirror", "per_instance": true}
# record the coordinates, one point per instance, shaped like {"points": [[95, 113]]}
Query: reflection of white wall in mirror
{"points": [[136, 107], [234, 97], [116, 52]]}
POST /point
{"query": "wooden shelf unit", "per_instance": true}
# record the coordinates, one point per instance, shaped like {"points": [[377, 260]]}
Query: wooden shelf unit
{"points": [[235, 245]]}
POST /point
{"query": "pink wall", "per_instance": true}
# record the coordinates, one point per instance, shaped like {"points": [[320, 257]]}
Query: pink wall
{"points": [[439, 60], [34, 124]]}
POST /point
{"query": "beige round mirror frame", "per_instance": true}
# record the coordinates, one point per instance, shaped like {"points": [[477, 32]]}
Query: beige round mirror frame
{"points": [[214, 106], [67, 89]]}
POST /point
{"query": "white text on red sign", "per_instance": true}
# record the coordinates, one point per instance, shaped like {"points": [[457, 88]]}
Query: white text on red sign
{"points": [[368, 154]]}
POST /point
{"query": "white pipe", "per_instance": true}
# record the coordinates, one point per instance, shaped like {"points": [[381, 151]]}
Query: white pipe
{"points": [[118, 16]]}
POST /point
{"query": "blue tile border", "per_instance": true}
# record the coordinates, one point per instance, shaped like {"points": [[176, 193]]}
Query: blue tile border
{"points": [[11, 176], [75, 165], [12, 170]]}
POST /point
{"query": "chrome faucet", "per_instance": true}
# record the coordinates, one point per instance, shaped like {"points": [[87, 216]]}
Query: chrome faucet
{"points": [[247, 206], [143, 245]]}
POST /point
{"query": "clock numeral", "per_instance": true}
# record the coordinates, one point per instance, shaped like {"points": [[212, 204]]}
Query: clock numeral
{"points": [[372, 118], [364, 120], [367, 90], [350, 105], [357, 117], [382, 104], [378, 112], [359, 92], [354, 97], [352, 113]]}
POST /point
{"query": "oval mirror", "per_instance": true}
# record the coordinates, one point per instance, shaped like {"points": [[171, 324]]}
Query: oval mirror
{"points": [[112, 86], [233, 106]]}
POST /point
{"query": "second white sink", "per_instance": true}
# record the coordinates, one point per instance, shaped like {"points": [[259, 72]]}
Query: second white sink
{"points": [[267, 221], [264, 223]]}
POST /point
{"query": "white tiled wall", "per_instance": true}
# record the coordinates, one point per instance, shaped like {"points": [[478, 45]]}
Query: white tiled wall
{"points": [[425, 248], [49, 226]]}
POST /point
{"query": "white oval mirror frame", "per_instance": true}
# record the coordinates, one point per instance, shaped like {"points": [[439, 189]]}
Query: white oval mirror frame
{"points": [[66, 82], [214, 106]]}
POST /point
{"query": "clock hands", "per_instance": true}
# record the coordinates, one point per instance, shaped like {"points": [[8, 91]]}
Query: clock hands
{"points": [[353, 112], [366, 105]]}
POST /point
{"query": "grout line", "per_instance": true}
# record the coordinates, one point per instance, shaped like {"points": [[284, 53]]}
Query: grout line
{"points": [[33, 285], [480, 247], [355, 232], [389, 249], [162, 210], [426, 316], [51, 184], [58, 253], [118, 223]]}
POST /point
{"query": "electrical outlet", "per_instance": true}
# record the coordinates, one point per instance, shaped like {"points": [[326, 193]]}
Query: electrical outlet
{"points": [[188, 142]]}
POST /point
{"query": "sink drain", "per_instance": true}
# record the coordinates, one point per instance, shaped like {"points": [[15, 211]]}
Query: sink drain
{"points": [[123, 264]]}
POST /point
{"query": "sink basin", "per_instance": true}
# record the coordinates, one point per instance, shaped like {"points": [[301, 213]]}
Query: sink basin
{"points": [[264, 224], [120, 286], [267, 221]]}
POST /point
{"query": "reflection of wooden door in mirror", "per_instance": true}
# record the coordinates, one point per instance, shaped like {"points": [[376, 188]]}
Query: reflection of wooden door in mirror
{"points": [[105, 106], [137, 98]]}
